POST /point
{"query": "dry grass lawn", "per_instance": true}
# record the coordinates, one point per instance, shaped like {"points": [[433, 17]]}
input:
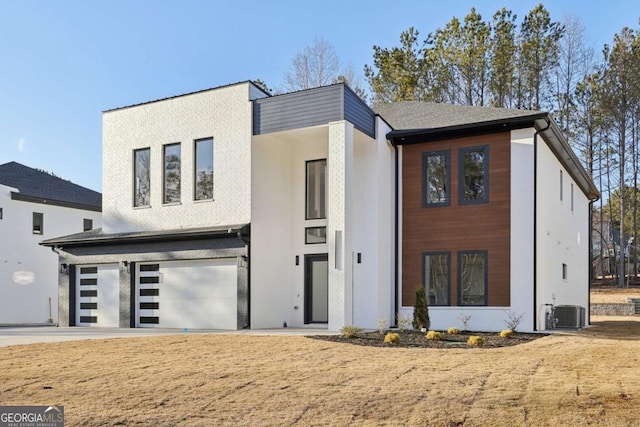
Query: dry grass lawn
{"points": [[587, 378], [613, 295]]}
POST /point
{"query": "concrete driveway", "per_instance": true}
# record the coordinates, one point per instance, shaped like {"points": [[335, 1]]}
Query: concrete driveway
{"points": [[34, 335]]}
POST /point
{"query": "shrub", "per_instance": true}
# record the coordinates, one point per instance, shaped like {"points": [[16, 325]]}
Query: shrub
{"points": [[404, 322], [506, 333], [350, 331], [420, 310], [513, 320], [434, 335], [382, 325], [464, 319], [392, 338], [475, 341], [453, 331]]}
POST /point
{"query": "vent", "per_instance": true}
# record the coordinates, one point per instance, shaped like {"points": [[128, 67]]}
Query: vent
{"points": [[570, 316]]}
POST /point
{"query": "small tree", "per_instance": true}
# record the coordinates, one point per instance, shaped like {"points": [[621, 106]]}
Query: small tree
{"points": [[420, 310]]}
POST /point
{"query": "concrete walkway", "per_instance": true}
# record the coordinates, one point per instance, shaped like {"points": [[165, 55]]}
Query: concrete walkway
{"points": [[45, 334]]}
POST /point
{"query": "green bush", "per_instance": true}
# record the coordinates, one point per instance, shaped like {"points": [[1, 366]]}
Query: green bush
{"points": [[434, 335], [420, 310], [392, 338], [350, 331], [475, 341]]}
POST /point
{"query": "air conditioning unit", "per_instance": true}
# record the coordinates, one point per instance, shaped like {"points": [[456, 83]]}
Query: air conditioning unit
{"points": [[570, 316]]}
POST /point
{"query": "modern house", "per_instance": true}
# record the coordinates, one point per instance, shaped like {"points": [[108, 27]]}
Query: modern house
{"points": [[35, 205], [229, 208]]}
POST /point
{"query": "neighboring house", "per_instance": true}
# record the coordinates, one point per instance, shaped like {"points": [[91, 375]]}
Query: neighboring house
{"points": [[493, 214], [228, 208], [35, 205]]}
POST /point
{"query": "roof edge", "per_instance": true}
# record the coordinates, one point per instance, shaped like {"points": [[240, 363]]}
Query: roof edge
{"points": [[52, 202]]}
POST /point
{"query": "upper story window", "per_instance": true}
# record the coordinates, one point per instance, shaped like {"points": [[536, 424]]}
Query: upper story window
{"points": [[435, 178], [472, 277], [316, 199], [571, 197], [203, 185], [38, 223], [171, 173], [437, 278], [87, 224], [142, 177], [474, 175], [561, 186], [0, 213]]}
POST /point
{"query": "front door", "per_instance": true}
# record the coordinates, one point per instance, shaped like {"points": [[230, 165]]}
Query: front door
{"points": [[316, 288]]}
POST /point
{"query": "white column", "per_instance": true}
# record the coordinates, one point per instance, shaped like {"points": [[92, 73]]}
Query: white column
{"points": [[340, 223]]}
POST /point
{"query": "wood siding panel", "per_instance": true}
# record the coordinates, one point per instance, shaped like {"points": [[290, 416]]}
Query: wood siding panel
{"points": [[454, 228]]}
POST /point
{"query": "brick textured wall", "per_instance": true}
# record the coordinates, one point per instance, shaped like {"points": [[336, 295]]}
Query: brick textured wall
{"points": [[613, 309]]}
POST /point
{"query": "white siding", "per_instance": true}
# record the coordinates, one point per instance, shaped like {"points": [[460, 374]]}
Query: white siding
{"points": [[224, 114], [22, 259]]}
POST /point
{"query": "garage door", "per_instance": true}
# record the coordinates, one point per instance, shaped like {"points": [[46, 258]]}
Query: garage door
{"points": [[187, 294], [97, 295]]}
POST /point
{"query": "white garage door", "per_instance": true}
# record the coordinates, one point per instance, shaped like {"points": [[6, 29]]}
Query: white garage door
{"points": [[187, 294], [97, 295]]}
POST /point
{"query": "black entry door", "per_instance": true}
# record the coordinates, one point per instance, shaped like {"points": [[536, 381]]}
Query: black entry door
{"points": [[316, 288]]}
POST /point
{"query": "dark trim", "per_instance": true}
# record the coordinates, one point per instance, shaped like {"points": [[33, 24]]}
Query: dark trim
{"points": [[308, 302], [396, 261], [413, 136], [133, 296], [486, 277], [34, 199], [425, 185], [461, 174], [424, 276], [37, 218], [306, 189], [72, 295], [98, 239]]}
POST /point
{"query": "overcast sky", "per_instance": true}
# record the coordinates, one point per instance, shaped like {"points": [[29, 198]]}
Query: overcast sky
{"points": [[64, 62]]}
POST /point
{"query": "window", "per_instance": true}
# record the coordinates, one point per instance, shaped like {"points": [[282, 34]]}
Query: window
{"points": [[313, 235], [204, 169], [564, 272], [561, 186], [435, 178], [436, 278], [171, 173], [316, 189], [0, 213], [474, 175], [87, 224], [38, 223], [142, 177], [571, 197], [472, 278]]}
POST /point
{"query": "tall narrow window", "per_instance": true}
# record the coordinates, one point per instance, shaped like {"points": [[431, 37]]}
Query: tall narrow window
{"points": [[204, 169], [474, 175], [87, 224], [316, 189], [561, 185], [0, 213], [435, 178], [564, 272], [38, 223], [571, 197], [472, 277], [171, 172], [142, 177], [436, 278]]}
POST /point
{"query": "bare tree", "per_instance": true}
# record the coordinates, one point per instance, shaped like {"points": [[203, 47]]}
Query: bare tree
{"points": [[316, 65]]}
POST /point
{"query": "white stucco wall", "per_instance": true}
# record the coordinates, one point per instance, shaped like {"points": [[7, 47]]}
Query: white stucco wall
{"points": [[563, 237], [28, 271], [224, 114]]}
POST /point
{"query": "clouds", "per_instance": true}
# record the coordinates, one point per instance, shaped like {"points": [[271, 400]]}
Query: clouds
{"points": [[21, 145]]}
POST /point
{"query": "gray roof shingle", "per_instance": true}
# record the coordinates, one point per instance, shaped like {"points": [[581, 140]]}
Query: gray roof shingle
{"points": [[406, 115], [39, 186]]}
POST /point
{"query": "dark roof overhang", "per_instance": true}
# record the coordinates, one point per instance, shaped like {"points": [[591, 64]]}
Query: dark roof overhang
{"points": [[35, 199], [98, 238]]}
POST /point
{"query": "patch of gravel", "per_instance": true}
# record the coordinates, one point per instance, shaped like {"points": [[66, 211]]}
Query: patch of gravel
{"points": [[416, 339]]}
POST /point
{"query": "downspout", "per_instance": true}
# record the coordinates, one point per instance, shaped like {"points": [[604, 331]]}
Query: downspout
{"points": [[535, 224], [588, 310], [396, 287]]}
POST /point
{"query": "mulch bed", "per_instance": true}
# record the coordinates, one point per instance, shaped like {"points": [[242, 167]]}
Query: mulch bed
{"points": [[416, 339]]}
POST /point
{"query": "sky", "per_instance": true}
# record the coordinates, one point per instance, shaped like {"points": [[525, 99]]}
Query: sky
{"points": [[63, 62]]}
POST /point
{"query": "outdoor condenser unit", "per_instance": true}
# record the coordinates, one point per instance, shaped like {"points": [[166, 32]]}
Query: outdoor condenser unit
{"points": [[570, 316]]}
